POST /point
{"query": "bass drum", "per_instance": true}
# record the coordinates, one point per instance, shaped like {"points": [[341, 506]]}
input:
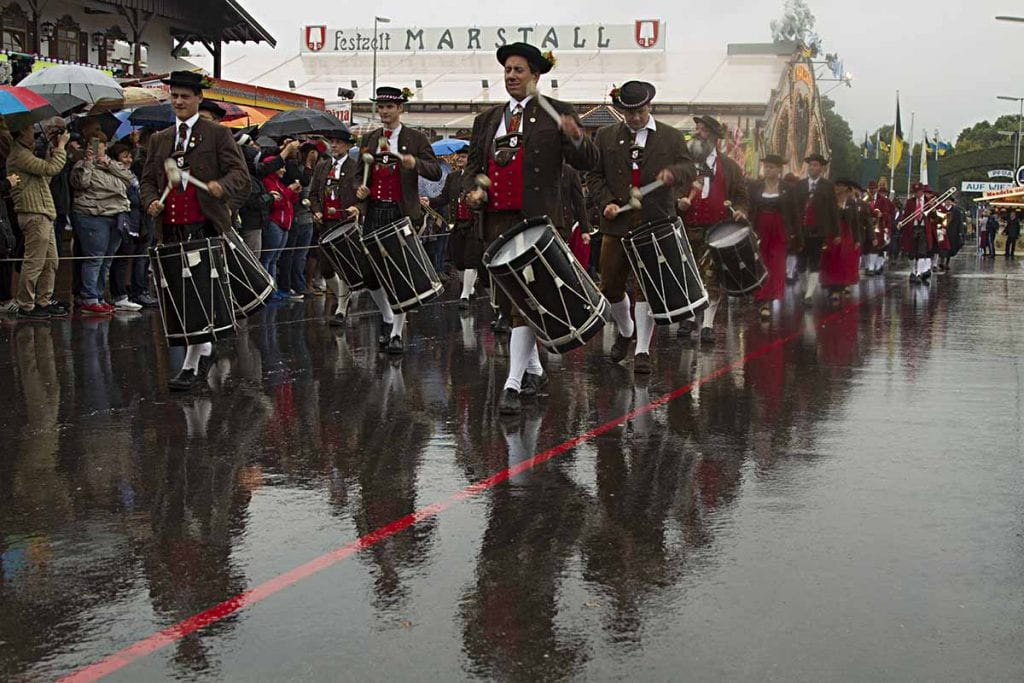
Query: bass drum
{"points": [[342, 246], [249, 282], [398, 259], [737, 256], [192, 286], [666, 271], [538, 271]]}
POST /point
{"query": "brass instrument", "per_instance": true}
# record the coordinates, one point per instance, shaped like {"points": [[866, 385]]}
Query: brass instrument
{"points": [[929, 208]]}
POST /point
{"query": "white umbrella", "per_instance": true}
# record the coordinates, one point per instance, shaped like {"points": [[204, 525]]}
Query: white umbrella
{"points": [[92, 85]]}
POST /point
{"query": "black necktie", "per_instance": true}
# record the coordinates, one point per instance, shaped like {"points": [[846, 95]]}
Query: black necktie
{"points": [[182, 136]]}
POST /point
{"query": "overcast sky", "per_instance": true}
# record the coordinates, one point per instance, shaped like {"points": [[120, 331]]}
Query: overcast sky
{"points": [[948, 58]]}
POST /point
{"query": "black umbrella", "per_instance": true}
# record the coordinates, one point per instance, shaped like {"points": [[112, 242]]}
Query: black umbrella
{"points": [[64, 103], [154, 115], [107, 122], [303, 122]]}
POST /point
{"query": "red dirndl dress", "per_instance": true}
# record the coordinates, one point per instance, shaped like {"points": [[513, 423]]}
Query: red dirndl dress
{"points": [[771, 232], [840, 263]]}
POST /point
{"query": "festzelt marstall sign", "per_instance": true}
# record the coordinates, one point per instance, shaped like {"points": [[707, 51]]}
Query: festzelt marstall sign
{"points": [[642, 34]]}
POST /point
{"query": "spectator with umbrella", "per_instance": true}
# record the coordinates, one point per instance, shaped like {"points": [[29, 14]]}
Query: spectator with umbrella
{"points": [[33, 202]]}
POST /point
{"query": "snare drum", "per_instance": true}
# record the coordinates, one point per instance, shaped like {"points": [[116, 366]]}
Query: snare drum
{"points": [[192, 285], [666, 271], [397, 258], [343, 248], [736, 254], [538, 271], [249, 282]]}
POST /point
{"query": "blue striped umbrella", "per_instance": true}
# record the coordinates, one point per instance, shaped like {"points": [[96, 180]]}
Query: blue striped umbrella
{"points": [[22, 107]]}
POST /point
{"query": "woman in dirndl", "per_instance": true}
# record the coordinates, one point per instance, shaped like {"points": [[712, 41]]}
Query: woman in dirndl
{"points": [[772, 214], [840, 261]]}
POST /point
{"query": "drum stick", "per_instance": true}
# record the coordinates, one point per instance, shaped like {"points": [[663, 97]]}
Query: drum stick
{"points": [[548, 108], [638, 193], [175, 176], [163, 195], [367, 165]]}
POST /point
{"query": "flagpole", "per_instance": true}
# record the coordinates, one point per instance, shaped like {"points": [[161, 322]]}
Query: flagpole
{"points": [[892, 146], [910, 156]]}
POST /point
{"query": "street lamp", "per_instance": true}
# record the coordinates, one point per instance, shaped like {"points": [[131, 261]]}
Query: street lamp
{"points": [[376, 20], [1020, 122]]}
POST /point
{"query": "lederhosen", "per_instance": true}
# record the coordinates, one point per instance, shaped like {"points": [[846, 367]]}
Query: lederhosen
{"points": [[333, 211], [614, 265], [809, 258]]}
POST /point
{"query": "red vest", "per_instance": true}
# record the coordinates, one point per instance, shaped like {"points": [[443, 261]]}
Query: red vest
{"points": [[506, 192], [711, 210], [810, 220], [386, 182], [462, 212], [333, 207], [636, 177], [182, 207]]}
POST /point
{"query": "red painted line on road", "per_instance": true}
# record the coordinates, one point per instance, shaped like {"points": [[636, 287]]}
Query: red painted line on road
{"points": [[171, 634]]}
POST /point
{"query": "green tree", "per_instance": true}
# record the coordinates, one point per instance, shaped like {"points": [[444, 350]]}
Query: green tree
{"points": [[846, 154], [985, 135]]}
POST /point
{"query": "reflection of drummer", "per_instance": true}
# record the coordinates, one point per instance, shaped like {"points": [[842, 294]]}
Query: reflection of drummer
{"points": [[634, 153], [521, 149], [332, 199], [206, 151], [400, 155], [707, 205]]}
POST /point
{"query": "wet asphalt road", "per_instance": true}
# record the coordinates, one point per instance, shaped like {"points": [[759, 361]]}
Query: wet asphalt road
{"points": [[843, 504]]}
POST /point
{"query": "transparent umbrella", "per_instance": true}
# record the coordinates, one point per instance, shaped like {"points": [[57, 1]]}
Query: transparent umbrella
{"points": [[92, 85]]}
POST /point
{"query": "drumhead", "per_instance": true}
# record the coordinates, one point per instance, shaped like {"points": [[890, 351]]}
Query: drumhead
{"points": [[403, 224], [727, 235], [337, 232], [518, 244], [651, 228]]}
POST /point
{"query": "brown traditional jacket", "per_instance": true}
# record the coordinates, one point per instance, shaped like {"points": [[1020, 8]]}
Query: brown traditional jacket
{"points": [[414, 142]]}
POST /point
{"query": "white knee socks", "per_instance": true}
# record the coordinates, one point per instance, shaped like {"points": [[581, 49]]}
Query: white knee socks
{"points": [[341, 292], [791, 266], [622, 318], [644, 327], [192, 354], [468, 282], [522, 347], [397, 323], [381, 299]]}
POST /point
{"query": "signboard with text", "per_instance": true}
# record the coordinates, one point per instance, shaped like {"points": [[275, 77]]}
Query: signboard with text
{"points": [[976, 186], [642, 34]]}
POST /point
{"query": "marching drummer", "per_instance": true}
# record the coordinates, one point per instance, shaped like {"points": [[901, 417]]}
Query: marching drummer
{"points": [[205, 151], [520, 148], [332, 199], [400, 156], [465, 242], [634, 153], [720, 193]]}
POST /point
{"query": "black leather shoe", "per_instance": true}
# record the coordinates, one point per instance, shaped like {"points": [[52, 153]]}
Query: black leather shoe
{"points": [[463, 304], [385, 333], [205, 363], [395, 347], [642, 364], [685, 328], [509, 404], [707, 336], [337, 320], [501, 325], [183, 381], [532, 384], [619, 349]]}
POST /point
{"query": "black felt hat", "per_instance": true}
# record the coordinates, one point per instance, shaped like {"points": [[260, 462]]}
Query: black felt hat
{"points": [[387, 94], [539, 62], [816, 157], [774, 159], [712, 124], [187, 79], [633, 95]]}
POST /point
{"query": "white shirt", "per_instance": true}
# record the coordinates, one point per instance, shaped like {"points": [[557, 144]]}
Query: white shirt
{"points": [[641, 135], [191, 123], [811, 182], [393, 140], [711, 162], [512, 104]]}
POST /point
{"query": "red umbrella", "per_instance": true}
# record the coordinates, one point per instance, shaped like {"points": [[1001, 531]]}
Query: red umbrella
{"points": [[21, 107]]}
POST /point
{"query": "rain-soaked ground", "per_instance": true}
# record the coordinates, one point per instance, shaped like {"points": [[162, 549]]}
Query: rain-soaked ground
{"points": [[834, 496]]}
